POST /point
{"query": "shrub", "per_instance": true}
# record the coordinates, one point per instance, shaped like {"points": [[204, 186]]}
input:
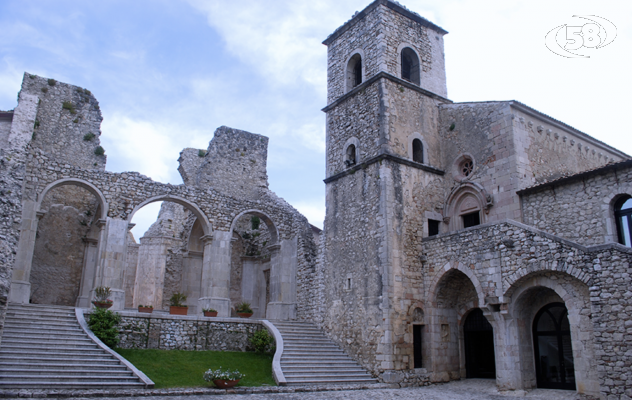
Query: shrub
{"points": [[201, 153], [89, 136], [52, 82], [37, 124], [102, 293], [45, 89], [243, 307], [177, 299], [103, 324], [255, 222], [99, 151], [67, 105], [261, 340]]}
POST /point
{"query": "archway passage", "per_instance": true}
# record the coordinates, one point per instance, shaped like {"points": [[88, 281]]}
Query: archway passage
{"points": [[479, 346], [555, 368]]}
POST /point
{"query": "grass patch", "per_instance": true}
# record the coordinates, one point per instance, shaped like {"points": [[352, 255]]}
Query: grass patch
{"points": [[178, 368]]}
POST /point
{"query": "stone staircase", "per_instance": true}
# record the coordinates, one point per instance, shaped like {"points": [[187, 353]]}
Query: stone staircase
{"points": [[45, 347], [309, 357]]}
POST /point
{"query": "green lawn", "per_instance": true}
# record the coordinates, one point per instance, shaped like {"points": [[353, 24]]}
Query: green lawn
{"points": [[177, 368]]}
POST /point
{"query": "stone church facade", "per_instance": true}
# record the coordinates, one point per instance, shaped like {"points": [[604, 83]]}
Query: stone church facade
{"points": [[461, 240]]}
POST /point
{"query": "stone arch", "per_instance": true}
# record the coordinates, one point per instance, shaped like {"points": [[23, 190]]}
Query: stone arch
{"points": [[206, 225], [516, 279], [407, 52], [620, 234], [424, 147], [352, 69], [77, 182], [528, 296], [432, 292], [466, 199], [274, 234]]}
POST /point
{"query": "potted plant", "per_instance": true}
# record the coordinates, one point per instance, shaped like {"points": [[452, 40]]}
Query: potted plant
{"points": [[243, 310], [102, 293], [223, 379], [209, 312], [146, 309], [176, 304]]}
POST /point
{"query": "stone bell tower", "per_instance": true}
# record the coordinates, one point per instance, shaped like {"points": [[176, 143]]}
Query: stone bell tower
{"points": [[386, 78]]}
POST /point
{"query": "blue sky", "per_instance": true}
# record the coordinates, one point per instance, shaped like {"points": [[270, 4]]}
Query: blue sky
{"points": [[168, 73]]}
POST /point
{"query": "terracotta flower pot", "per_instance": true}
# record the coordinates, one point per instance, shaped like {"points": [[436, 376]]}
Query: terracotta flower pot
{"points": [[210, 313], [222, 384], [99, 304], [145, 309], [244, 315], [175, 310]]}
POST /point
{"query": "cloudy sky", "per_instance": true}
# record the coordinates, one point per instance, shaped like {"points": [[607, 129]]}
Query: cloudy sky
{"points": [[167, 73]]}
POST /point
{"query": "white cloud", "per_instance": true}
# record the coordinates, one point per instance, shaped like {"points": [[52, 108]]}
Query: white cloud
{"points": [[313, 210], [146, 147]]}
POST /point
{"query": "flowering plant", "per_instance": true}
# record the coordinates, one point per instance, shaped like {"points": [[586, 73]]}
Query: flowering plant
{"points": [[223, 374], [209, 310]]}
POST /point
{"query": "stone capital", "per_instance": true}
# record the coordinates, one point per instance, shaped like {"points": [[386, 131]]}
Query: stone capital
{"points": [[101, 223], [40, 214], [274, 248], [207, 239]]}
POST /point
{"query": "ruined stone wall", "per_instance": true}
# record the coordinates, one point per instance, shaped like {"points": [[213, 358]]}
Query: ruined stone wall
{"points": [[549, 149], [235, 163], [13, 158], [581, 210], [189, 163], [66, 114], [165, 332], [130, 271]]}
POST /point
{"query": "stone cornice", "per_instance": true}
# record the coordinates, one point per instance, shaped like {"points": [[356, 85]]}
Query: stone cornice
{"points": [[389, 4], [390, 77], [389, 157]]}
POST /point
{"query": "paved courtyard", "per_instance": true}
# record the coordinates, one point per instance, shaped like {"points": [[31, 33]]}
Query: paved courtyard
{"points": [[471, 389]]}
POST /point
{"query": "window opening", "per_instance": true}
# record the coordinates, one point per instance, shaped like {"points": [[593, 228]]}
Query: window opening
{"points": [[623, 217], [433, 227], [410, 66], [357, 73], [418, 151], [351, 155], [467, 167], [472, 219], [417, 349], [555, 367]]}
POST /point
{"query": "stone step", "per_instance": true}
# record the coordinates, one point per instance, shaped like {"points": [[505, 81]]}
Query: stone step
{"points": [[42, 325], [27, 372], [333, 381], [324, 375], [9, 334], [32, 348], [42, 384], [314, 357], [325, 368], [25, 339], [19, 358], [102, 366]]}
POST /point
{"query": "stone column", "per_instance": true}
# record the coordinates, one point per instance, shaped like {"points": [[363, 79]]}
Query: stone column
{"points": [[112, 258], [215, 286], [88, 272], [20, 285], [283, 265]]}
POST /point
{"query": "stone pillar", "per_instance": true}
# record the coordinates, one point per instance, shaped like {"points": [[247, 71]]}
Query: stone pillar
{"points": [[88, 272], [112, 260], [215, 284], [283, 266], [20, 285], [507, 352], [150, 273]]}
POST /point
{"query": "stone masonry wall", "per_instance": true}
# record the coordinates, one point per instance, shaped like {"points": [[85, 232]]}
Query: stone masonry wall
{"points": [[502, 256], [165, 332], [66, 114], [581, 210]]}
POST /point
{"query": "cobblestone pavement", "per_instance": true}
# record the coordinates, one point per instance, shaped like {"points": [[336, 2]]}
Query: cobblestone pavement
{"points": [[471, 389]]}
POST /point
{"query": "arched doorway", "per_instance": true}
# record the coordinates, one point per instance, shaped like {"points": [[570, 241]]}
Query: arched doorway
{"points": [[555, 368], [478, 336]]}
